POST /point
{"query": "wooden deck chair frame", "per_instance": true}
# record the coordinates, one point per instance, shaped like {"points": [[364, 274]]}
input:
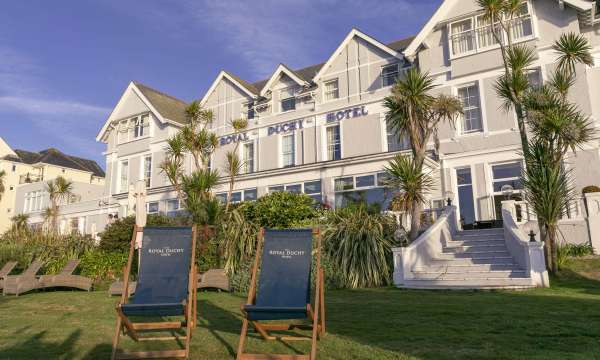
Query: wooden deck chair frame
{"points": [[126, 326], [316, 316]]}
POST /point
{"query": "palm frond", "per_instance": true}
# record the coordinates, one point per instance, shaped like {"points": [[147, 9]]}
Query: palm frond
{"points": [[412, 183], [572, 49]]}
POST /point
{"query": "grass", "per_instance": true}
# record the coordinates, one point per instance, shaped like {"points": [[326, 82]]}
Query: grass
{"points": [[562, 322]]}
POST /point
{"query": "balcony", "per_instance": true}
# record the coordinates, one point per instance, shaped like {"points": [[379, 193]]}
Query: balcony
{"points": [[30, 178]]}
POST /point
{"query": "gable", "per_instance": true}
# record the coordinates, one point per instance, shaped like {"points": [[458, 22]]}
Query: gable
{"points": [[283, 71], [225, 90], [130, 105]]}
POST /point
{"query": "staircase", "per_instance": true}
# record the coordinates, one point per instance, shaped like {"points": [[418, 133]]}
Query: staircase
{"points": [[472, 259]]}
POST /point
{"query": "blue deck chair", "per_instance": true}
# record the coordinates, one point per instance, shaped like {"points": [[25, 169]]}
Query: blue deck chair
{"points": [[166, 286], [284, 289]]}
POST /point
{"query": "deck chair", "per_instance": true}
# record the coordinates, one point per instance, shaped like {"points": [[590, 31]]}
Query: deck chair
{"points": [[66, 278], [24, 282], [166, 286], [6, 269], [214, 279], [284, 290], [116, 288]]}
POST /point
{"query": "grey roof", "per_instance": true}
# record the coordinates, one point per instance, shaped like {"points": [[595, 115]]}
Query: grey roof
{"points": [[56, 157], [309, 72], [168, 106]]}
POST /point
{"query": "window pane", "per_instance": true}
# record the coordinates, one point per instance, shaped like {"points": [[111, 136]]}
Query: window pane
{"points": [[124, 176], [288, 104], [383, 179], [333, 143], [222, 197], [147, 170], [389, 75], [250, 111], [236, 196], [250, 195], [288, 150], [248, 158], [346, 183], [152, 207], [506, 171], [276, 188], [462, 38], [369, 197], [172, 205], [296, 188], [363, 181], [463, 176], [516, 184], [313, 187], [396, 142], [471, 119], [331, 90]]}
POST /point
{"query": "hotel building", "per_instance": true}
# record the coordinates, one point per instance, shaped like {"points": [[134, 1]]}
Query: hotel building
{"points": [[321, 130]]}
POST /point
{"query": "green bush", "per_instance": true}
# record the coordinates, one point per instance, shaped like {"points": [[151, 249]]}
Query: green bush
{"points": [[103, 266], [573, 250], [117, 236], [359, 245], [279, 210]]}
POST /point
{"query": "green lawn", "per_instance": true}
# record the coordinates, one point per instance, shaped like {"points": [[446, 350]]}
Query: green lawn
{"points": [[558, 323]]}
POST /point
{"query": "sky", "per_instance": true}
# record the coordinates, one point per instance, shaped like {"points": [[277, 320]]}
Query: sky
{"points": [[64, 64]]}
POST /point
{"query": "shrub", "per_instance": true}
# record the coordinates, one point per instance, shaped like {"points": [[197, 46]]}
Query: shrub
{"points": [[590, 189], [359, 245], [279, 210], [102, 265], [573, 250], [117, 236]]}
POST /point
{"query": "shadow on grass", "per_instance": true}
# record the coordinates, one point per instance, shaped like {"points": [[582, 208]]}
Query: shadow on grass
{"points": [[569, 279], [32, 347]]}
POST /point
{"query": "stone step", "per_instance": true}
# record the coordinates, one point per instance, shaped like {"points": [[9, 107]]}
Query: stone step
{"points": [[474, 248], [467, 268], [476, 242], [454, 261], [458, 284], [478, 237], [484, 254], [496, 274]]}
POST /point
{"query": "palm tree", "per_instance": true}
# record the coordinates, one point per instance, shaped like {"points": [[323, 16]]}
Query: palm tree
{"points": [[19, 222], [2, 188], [413, 111], [59, 190], [413, 183]]}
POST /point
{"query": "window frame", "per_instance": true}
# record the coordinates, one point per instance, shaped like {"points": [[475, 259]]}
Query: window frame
{"points": [[326, 91], [131, 128], [476, 28], [397, 74], [120, 187], [148, 207], [339, 142], [245, 168], [460, 128], [283, 138], [144, 173], [288, 97]]}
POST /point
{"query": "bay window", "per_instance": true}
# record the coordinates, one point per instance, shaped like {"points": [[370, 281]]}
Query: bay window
{"points": [[476, 33]]}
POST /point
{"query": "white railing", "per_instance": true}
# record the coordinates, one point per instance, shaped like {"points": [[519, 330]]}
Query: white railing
{"points": [[529, 255], [425, 247]]}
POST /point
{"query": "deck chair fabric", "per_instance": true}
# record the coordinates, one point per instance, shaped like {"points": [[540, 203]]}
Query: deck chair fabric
{"points": [[66, 278], [6, 269], [284, 283], [24, 282], [165, 287], [283, 290]]}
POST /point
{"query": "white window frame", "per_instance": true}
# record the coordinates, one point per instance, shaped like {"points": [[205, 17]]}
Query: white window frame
{"points": [[288, 97], [147, 179], [148, 207], [397, 65], [129, 127], [475, 27], [282, 164], [326, 147], [460, 119], [242, 150], [120, 187], [326, 91]]}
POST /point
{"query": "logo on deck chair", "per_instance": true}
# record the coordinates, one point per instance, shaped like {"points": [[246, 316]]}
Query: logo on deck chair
{"points": [[165, 251], [287, 253]]}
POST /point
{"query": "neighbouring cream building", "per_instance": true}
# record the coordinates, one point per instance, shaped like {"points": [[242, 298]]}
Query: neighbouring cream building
{"points": [[27, 174]]}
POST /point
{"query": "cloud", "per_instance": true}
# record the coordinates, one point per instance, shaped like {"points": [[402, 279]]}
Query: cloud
{"points": [[53, 108]]}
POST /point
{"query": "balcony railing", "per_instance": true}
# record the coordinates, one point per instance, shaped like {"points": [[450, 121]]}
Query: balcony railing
{"points": [[30, 178]]}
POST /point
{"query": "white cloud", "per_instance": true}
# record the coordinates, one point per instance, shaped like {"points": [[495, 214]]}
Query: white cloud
{"points": [[39, 106]]}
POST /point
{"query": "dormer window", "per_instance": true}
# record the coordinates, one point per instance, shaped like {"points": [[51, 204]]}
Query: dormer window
{"points": [[133, 129], [476, 33], [288, 99], [389, 74], [249, 111]]}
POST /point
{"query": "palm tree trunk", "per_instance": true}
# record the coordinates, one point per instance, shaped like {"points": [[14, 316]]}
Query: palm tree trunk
{"points": [[522, 128], [415, 220], [544, 237], [554, 251]]}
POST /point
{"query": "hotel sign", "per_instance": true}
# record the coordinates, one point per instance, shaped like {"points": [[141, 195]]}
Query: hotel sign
{"points": [[233, 139], [347, 114], [285, 127]]}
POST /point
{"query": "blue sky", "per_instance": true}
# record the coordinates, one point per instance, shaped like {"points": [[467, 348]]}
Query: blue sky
{"points": [[65, 63]]}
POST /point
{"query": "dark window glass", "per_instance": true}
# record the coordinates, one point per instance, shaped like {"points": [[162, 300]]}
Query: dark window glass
{"points": [[313, 187], [288, 104], [383, 179], [463, 176], [236, 196], [250, 111], [222, 197], [250, 195], [369, 197], [364, 181], [346, 183], [152, 207], [296, 189], [516, 184], [506, 171], [276, 188]]}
